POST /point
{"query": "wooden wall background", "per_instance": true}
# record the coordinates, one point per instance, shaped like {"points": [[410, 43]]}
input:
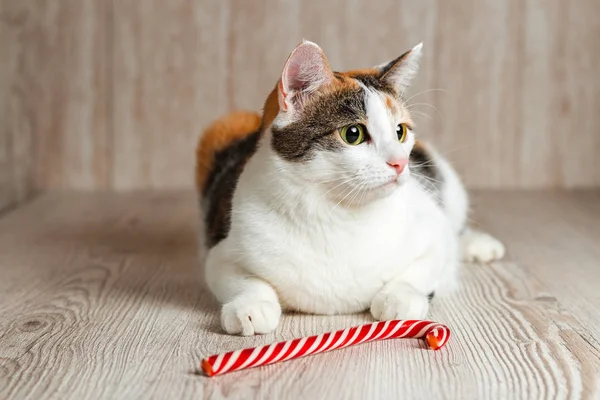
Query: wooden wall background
{"points": [[112, 94]]}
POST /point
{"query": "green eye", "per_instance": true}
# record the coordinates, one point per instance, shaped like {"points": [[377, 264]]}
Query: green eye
{"points": [[401, 132], [353, 134]]}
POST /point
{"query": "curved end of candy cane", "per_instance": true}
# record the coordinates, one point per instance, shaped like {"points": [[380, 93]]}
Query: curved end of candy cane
{"points": [[432, 341], [437, 337], [207, 368]]}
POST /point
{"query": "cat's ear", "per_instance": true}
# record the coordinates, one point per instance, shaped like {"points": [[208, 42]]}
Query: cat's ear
{"points": [[400, 72], [305, 71]]}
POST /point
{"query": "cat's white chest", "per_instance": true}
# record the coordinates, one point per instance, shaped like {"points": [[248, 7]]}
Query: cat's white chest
{"points": [[333, 267]]}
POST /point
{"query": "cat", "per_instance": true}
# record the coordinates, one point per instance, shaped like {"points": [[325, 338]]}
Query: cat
{"points": [[327, 203]]}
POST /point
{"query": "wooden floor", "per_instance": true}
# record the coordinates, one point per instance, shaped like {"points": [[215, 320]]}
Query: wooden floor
{"points": [[99, 299]]}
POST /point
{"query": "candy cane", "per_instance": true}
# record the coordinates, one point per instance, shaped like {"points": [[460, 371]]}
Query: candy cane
{"points": [[435, 335]]}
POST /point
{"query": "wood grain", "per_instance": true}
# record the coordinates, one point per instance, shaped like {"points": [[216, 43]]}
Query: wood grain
{"points": [[56, 99], [99, 94], [170, 70], [562, 253], [16, 132], [99, 298]]}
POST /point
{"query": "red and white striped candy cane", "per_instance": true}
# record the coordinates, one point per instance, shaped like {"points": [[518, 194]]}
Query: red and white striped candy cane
{"points": [[436, 335]]}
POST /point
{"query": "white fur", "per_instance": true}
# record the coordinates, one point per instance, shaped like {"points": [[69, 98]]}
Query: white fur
{"points": [[480, 247], [288, 245], [454, 195]]}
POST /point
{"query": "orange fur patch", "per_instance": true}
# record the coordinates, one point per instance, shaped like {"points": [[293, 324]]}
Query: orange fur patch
{"points": [[271, 107], [218, 136], [345, 82], [393, 106], [356, 72], [389, 103]]}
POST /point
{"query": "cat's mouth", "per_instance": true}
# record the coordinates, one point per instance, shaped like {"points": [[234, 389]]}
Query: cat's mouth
{"points": [[392, 183]]}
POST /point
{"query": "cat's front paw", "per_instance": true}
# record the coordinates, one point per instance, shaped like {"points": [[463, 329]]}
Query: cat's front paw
{"points": [[401, 304], [481, 247], [250, 316]]}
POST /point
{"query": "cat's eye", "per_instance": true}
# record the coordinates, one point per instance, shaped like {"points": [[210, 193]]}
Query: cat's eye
{"points": [[353, 134], [401, 132]]}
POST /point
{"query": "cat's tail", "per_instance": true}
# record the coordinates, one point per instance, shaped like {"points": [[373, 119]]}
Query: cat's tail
{"points": [[212, 159], [218, 136]]}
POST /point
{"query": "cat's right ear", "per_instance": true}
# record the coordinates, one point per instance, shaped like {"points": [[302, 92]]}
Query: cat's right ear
{"points": [[305, 71], [401, 71]]}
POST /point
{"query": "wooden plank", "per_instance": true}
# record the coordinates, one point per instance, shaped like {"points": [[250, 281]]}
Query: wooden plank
{"points": [[15, 132], [574, 105], [7, 195], [558, 240], [6, 72], [170, 68], [554, 237], [54, 78], [100, 299]]}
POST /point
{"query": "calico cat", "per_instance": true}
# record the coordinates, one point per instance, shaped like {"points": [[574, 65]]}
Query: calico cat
{"points": [[327, 203]]}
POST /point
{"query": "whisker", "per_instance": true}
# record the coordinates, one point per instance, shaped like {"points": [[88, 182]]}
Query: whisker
{"points": [[436, 196], [344, 198], [408, 107], [423, 164], [358, 192], [340, 184], [363, 196], [423, 92], [430, 179], [422, 114], [331, 180]]}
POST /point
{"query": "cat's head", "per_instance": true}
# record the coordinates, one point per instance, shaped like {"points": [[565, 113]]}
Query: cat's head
{"points": [[348, 133]]}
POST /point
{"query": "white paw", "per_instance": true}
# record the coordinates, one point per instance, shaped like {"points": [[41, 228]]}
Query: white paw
{"points": [[481, 247], [250, 316], [401, 304]]}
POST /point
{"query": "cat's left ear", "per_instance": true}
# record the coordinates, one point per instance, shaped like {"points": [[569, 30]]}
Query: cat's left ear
{"points": [[400, 72], [305, 72]]}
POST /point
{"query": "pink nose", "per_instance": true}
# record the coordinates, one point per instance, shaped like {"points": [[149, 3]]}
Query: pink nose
{"points": [[398, 165]]}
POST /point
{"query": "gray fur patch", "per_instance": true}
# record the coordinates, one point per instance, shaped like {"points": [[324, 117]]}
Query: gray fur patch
{"points": [[426, 171], [299, 140], [374, 82]]}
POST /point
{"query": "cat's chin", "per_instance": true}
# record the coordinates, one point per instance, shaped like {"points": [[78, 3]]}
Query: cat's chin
{"points": [[379, 192], [393, 184], [367, 195], [386, 189], [389, 188]]}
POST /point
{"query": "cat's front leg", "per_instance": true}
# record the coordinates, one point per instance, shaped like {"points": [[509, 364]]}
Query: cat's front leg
{"points": [[478, 246], [250, 305], [409, 294], [399, 300]]}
